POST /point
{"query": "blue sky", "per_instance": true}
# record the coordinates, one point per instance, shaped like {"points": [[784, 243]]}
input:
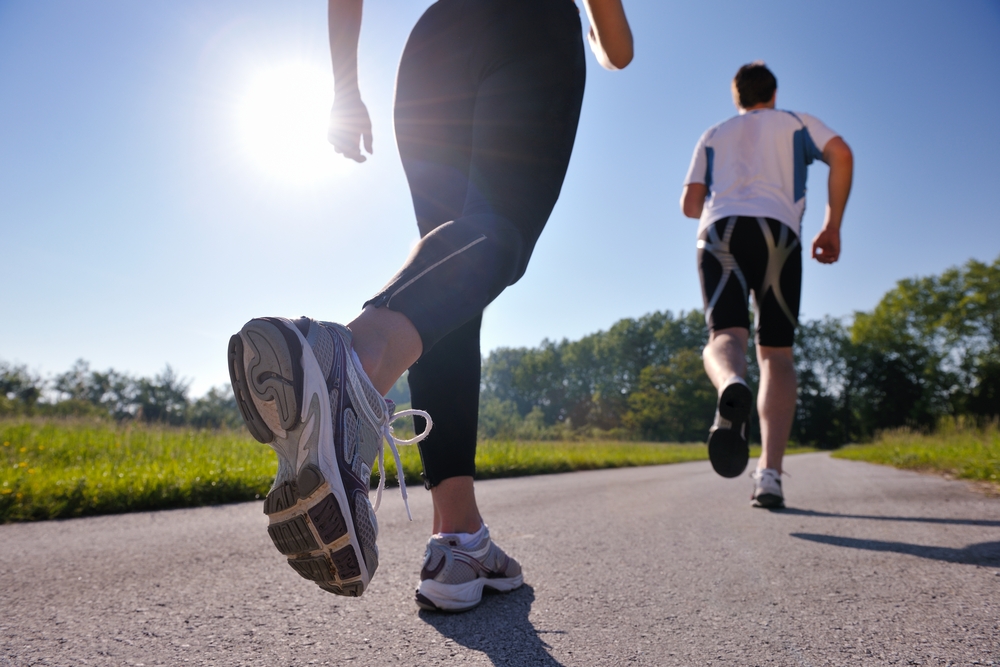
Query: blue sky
{"points": [[146, 213]]}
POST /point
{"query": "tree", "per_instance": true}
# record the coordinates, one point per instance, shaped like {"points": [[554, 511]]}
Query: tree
{"points": [[216, 409], [673, 402], [111, 390], [822, 416], [162, 399], [17, 383]]}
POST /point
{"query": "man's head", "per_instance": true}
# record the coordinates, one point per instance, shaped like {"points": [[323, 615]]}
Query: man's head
{"points": [[754, 86]]}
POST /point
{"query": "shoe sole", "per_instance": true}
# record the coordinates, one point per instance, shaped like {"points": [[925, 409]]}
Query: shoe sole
{"points": [[769, 501], [728, 450], [456, 598], [283, 399]]}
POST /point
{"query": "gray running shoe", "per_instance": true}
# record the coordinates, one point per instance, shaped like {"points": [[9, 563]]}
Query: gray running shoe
{"points": [[453, 576], [728, 449], [301, 390], [767, 489]]}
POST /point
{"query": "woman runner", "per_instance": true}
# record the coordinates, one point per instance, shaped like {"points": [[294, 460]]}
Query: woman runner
{"points": [[488, 98]]}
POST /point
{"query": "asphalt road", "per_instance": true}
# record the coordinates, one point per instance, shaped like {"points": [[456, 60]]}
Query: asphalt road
{"points": [[648, 566]]}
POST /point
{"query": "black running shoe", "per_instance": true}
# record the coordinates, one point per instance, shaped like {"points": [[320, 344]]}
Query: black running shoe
{"points": [[728, 449]]}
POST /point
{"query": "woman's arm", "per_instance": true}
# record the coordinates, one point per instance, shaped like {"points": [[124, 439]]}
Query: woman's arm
{"points": [[610, 36], [349, 121]]}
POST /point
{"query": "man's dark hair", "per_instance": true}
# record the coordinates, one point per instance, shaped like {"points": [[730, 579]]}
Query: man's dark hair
{"points": [[754, 84]]}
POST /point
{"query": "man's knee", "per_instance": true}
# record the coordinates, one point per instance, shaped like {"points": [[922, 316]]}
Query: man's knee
{"points": [[778, 358], [732, 335]]}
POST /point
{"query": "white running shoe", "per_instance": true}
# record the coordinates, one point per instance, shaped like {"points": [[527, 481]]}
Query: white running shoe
{"points": [[767, 489], [453, 576], [301, 389]]}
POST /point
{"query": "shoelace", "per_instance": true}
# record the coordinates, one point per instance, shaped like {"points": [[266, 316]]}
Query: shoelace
{"points": [[393, 441]]}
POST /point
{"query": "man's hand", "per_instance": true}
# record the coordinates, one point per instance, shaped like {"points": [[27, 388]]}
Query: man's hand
{"points": [[349, 127], [826, 246], [837, 154]]}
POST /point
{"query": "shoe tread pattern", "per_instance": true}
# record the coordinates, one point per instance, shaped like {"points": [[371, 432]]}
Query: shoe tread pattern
{"points": [[293, 536], [282, 497], [346, 562], [241, 391], [728, 449], [728, 452], [328, 519], [310, 479], [314, 568], [351, 589], [273, 372]]}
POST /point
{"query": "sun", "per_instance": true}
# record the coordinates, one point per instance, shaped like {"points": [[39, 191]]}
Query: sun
{"points": [[282, 119]]}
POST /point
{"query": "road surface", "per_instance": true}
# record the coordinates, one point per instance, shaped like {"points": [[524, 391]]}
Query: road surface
{"points": [[665, 565]]}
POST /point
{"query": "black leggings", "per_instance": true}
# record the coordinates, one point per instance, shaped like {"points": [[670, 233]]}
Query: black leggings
{"points": [[487, 104]]}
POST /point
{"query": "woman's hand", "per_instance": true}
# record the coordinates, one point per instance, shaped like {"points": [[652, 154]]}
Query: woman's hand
{"points": [[350, 126], [349, 121], [610, 36]]}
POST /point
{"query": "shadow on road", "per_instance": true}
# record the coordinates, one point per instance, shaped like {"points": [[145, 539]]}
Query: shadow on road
{"points": [[983, 553], [499, 627], [917, 519]]}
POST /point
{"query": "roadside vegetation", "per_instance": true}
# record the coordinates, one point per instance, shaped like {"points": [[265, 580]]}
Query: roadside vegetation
{"points": [[88, 441], [956, 448], [929, 350], [65, 468], [54, 469]]}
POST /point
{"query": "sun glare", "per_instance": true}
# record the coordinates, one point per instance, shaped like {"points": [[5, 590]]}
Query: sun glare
{"points": [[282, 121]]}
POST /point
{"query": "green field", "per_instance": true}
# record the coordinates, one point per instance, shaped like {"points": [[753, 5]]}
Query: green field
{"points": [[955, 449], [58, 469]]}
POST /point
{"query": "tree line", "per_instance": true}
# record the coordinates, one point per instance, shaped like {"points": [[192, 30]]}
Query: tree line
{"points": [[84, 392], [929, 349]]}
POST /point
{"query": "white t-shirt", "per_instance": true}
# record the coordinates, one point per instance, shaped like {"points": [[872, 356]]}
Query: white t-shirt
{"points": [[755, 164]]}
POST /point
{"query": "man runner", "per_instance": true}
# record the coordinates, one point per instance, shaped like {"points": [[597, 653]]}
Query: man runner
{"points": [[747, 185]]}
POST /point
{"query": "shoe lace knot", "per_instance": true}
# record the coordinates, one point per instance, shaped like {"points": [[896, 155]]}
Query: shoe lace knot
{"points": [[390, 438]]}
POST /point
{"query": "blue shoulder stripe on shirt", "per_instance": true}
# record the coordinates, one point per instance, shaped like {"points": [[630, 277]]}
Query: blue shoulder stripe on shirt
{"points": [[709, 160], [805, 152]]}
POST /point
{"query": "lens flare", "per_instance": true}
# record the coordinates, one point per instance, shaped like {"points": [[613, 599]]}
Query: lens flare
{"points": [[282, 121]]}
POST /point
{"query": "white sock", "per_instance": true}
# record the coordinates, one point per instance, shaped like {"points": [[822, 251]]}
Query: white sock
{"points": [[465, 539], [357, 364]]}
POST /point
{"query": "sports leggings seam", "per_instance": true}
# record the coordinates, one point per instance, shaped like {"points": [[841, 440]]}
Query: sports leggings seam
{"points": [[433, 266]]}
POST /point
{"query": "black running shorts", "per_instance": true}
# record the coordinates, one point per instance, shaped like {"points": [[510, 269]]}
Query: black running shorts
{"points": [[740, 255]]}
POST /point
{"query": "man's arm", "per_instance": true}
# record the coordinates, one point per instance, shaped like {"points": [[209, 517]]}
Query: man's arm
{"points": [[837, 154], [349, 121], [693, 199], [610, 36]]}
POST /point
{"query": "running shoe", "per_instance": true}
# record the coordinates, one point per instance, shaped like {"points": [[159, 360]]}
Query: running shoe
{"points": [[453, 576], [301, 389], [728, 449], [767, 489]]}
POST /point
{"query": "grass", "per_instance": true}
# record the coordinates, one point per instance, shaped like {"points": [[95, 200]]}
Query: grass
{"points": [[955, 449], [59, 469], [54, 469]]}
